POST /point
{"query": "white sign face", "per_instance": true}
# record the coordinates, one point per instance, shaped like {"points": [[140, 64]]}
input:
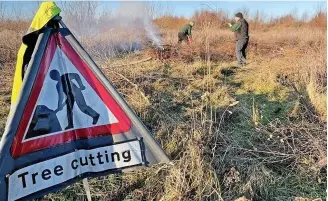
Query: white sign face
{"points": [[49, 173], [66, 102]]}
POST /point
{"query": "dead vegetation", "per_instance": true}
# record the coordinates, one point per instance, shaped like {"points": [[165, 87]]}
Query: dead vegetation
{"points": [[271, 145]]}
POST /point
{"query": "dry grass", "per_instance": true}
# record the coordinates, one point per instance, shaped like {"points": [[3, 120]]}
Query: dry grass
{"points": [[266, 147]]}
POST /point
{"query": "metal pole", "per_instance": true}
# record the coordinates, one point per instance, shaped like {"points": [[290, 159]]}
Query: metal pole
{"points": [[62, 24], [87, 188]]}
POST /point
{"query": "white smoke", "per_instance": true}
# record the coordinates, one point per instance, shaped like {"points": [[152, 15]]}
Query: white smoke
{"points": [[125, 29], [131, 12]]}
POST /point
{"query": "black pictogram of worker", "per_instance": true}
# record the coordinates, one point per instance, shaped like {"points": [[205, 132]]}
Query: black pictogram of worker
{"points": [[73, 94]]}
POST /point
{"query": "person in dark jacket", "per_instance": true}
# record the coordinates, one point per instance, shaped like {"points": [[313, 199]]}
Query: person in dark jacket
{"points": [[240, 28], [185, 33]]}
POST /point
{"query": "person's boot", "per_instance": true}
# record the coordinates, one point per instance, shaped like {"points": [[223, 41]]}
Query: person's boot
{"points": [[95, 119]]}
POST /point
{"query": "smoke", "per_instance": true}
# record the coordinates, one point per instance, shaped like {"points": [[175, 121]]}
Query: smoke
{"points": [[125, 29], [137, 16]]}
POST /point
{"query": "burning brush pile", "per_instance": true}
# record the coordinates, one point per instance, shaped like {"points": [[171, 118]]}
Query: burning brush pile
{"points": [[129, 30], [186, 54]]}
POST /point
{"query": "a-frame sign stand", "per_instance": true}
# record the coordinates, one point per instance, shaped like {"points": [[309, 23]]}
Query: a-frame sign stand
{"points": [[49, 142]]}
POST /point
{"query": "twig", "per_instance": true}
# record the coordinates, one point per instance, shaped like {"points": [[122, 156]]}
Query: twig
{"points": [[266, 152], [133, 63], [133, 84]]}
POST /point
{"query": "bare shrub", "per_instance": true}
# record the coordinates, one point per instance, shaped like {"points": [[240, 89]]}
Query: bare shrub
{"points": [[248, 150]]}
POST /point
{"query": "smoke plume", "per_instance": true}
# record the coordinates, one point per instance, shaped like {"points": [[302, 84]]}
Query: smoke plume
{"points": [[112, 33]]}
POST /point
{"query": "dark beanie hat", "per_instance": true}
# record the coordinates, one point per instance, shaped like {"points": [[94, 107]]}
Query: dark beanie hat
{"points": [[240, 15]]}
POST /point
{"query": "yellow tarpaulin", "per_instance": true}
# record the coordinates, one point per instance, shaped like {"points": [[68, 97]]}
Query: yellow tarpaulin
{"points": [[46, 12]]}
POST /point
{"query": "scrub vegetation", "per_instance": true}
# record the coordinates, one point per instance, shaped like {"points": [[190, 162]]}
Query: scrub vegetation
{"points": [[252, 133]]}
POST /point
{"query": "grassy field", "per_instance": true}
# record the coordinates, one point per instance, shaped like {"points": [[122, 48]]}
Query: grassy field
{"points": [[251, 133]]}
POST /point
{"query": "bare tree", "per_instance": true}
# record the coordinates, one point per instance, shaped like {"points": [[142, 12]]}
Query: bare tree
{"points": [[159, 9], [104, 19], [294, 13], [26, 12], [2, 10], [81, 16], [305, 16], [257, 18], [221, 17], [245, 12], [320, 8], [62, 4], [32, 9], [17, 11]]}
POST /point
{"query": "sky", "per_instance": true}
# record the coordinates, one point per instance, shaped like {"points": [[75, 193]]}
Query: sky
{"points": [[270, 8], [187, 8]]}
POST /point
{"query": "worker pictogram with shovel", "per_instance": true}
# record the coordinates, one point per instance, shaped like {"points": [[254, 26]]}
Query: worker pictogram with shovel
{"points": [[67, 86]]}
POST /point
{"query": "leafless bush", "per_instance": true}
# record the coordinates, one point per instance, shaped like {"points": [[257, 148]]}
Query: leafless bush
{"points": [[218, 152], [80, 17]]}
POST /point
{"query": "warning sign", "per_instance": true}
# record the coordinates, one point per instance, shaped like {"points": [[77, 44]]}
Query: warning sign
{"points": [[73, 103], [68, 102], [67, 120], [48, 173]]}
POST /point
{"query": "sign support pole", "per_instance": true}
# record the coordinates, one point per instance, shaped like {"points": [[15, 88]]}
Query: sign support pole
{"points": [[87, 188]]}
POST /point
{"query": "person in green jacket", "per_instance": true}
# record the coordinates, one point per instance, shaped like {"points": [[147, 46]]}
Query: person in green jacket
{"points": [[240, 28], [185, 33]]}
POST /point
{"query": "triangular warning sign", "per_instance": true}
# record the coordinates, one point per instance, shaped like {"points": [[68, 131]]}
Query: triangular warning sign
{"points": [[68, 122], [67, 102], [66, 108]]}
